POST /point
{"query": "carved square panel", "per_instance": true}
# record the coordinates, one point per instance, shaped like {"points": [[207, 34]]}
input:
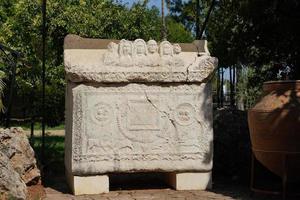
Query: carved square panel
{"points": [[142, 116]]}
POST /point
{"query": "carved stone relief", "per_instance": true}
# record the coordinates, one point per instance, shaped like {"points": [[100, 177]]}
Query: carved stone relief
{"points": [[101, 113], [138, 106], [153, 54], [185, 114], [138, 61], [139, 121], [140, 54]]}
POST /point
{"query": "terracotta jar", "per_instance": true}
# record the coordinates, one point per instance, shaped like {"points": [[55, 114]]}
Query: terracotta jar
{"points": [[274, 124]]}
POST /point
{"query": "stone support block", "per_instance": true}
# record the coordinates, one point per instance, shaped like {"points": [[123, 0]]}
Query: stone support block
{"points": [[88, 184], [190, 181]]}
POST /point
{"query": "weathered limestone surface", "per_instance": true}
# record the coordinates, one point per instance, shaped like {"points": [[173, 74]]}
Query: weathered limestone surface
{"points": [[190, 181], [138, 127], [88, 184], [11, 184], [18, 166], [137, 62], [137, 106]]}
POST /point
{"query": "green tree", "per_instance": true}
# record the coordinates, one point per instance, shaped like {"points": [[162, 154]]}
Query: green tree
{"points": [[184, 12], [177, 32], [259, 34], [20, 25], [2, 86]]}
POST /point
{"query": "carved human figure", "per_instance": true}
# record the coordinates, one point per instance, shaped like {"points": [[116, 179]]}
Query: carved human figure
{"points": [[166, 53], [111, 56], [125, 52], [177, 60], [140, 57], [153, 53]]}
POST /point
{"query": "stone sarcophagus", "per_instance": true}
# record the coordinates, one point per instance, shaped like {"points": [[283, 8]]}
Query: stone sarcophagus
{"points": [[136, 106]]}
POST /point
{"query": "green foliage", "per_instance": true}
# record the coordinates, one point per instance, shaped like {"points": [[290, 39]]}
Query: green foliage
{"points": [[177, 32], [250, 84], [103, 19], [257, 33], [20, 24], [2, 86], [185, 12], [54, 153]]}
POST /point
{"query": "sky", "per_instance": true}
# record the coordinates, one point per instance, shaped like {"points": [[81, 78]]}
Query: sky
{"points": [[157, 3], [151, 3]]}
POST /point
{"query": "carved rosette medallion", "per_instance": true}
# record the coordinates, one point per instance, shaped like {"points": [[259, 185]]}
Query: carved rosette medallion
{"points": [[101, 113], [184, 114]]}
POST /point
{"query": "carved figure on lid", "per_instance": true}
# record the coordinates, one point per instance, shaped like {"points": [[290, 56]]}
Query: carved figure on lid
{"points": [[166, 53], [153, 53], [140, 52], [111, 56], [177, 59], [126, 51]]}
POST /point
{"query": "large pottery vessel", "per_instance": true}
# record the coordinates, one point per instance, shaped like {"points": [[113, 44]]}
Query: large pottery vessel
{"points": [[274, 124]]}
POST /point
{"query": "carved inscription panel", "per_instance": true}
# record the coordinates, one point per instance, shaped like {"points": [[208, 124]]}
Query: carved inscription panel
{"points": [[136, 122], [142, 116]]}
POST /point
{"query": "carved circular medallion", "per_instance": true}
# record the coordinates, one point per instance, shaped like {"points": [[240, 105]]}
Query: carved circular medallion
{"points": [[101, 113], [184, 114]]}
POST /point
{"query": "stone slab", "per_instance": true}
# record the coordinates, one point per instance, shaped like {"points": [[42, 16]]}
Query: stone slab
{"points": [[80, 185], [138, 127], [190, 181]]}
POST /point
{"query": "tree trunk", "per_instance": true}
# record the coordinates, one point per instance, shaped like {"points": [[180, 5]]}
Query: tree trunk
{"points": [[218, 87], [222, 89], [231, 87], [240, 100], [163, 28], [234, 83], [297, 69]]}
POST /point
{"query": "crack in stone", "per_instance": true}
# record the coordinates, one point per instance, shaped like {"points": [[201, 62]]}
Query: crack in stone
{"points": [[188, 69], [161, 111]]}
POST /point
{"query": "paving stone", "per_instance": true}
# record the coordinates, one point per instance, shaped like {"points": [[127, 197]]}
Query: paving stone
{"points": [[58, 196], [146, 195], [110, 194], [97, 197], [227, 193], [159, 198]]}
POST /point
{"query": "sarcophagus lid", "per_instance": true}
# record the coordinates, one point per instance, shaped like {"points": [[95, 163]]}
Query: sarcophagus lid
{"points": [[113, 61]]}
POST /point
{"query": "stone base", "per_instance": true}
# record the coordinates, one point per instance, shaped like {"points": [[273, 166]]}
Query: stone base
{"points": [[190, 181], [100, 183], [88, 184]]}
